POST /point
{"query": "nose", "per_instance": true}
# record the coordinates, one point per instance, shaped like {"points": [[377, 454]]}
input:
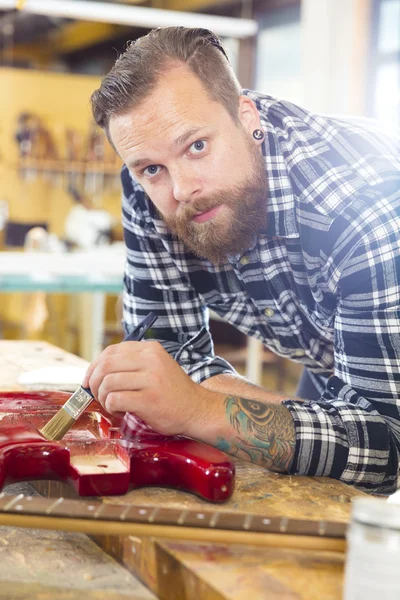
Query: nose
{"points": [[185, 186]]}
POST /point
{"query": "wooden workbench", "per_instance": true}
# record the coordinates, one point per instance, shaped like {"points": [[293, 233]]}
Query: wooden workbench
{"points": [[180, 570]]}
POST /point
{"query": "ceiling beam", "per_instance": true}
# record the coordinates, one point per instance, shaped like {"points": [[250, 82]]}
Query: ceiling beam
{"points": [[81, 34], [138, 16], [67, 39], [194, 4], [30, 54], [180, 4]]}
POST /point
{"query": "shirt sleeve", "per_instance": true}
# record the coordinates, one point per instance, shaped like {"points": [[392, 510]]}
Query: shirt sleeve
{"points": [[153, 282], [352, 432]]}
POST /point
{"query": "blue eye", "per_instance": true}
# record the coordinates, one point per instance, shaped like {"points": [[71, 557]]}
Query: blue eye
{"points": [[151, 170], [198, 146]]}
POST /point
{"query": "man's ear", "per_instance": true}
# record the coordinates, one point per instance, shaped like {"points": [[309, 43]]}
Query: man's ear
{"points": [[248, 114]]}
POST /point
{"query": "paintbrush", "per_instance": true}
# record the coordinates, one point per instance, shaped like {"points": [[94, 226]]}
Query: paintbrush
{"points": [[63, 420]]}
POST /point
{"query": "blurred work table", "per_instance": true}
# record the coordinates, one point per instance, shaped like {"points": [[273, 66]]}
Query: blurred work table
{"points": [[91, 274], [176, 569]]}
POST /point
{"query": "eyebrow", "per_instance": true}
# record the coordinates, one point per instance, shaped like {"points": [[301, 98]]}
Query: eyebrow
{"points": [[178, 142], [137, 163], [185, 136]]}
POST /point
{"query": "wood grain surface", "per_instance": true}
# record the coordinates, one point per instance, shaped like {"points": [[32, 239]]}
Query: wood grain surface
{"points": [[67, 563], [237, 572]]}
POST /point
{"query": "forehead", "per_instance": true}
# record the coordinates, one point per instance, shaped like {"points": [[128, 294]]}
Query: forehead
{"points": [[178, 102]]}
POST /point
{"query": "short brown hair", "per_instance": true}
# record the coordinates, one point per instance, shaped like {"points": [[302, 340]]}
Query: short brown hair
{"points": [[137, 71]]}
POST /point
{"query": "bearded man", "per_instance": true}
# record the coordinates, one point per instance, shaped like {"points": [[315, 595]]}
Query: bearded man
{"points": [[283, 222]]}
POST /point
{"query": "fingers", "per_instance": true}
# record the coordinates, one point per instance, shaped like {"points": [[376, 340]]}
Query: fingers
{"points": [[122, 401], [114, 383], [118, 357], [107, 352]]}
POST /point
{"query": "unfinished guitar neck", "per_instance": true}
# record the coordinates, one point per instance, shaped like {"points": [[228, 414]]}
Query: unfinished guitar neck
{"points": [[94, 458]]}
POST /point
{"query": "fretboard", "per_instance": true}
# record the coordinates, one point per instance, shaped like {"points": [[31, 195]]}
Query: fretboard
{"points": [[131, 513]]}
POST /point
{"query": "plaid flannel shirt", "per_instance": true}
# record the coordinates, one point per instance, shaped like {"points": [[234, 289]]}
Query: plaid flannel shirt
{"points": [[320, 286]]}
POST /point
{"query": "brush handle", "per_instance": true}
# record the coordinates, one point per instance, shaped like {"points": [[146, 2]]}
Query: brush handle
{"points": [[135, 335], [138, 332]]}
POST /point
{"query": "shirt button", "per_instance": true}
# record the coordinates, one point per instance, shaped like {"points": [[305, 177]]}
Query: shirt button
{"points": [[244, 260], [299, 353], [269, 312]]}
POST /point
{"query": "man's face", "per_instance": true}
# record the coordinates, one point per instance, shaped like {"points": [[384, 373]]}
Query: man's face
{"points": [[204, 173]]}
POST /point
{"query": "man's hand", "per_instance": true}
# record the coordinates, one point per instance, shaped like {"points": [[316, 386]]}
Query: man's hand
{"points": [[142, 378]]}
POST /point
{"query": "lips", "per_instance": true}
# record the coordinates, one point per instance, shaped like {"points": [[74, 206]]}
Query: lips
{"points": [[208, 215]]}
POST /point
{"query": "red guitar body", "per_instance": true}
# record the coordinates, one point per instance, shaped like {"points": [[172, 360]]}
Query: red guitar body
{"points": [[94, 457]]}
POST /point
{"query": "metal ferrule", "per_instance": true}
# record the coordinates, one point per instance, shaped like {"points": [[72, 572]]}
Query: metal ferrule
{"points": [[77, 403]]}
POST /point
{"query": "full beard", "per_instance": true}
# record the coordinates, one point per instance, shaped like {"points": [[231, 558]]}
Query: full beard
{"points": [[235, 228]]}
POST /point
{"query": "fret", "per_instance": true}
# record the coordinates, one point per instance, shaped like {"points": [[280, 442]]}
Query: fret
{"points": [[124, 513], [182, 517], [283, 525], [98, 511], [153, 515], [53, 505], [12, 502], [214, 519], [247, 522]]}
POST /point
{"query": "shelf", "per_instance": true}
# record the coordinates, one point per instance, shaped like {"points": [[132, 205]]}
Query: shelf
{"points": [[69, 167]]}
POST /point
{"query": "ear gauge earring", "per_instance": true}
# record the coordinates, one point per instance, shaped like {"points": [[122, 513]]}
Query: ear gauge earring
{"points": [[258, 134]]}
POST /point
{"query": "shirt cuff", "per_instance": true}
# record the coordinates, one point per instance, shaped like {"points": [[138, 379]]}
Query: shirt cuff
{"points": [[344, 437], [197, 359]]}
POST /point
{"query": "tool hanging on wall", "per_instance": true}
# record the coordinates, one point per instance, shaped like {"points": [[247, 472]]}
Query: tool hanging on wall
{"points": [[74, 174], [35, 144], [95, 155], [23, 136], [90, 166]]}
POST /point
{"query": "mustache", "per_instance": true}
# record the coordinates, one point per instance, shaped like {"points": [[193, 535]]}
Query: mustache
{"points": [[195, 207]]}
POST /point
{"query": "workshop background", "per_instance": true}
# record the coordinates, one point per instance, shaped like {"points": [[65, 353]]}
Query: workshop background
{"points": [[59, 178]]}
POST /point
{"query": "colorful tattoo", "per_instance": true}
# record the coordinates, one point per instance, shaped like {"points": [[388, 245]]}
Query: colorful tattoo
{"points": [[265, 433]]}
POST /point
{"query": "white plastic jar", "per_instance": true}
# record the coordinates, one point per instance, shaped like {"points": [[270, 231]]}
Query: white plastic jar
{"points": [[373, 551]]}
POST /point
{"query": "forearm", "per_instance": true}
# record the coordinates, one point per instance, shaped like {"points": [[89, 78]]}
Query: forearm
{"points": [[236, 385], [258, 431]]}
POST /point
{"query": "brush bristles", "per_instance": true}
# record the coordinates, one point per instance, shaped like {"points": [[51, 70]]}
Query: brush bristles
{"points": [[58, 426]]}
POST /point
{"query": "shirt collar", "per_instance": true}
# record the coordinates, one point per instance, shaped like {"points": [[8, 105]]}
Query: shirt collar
{"points": [[281, 212]]}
